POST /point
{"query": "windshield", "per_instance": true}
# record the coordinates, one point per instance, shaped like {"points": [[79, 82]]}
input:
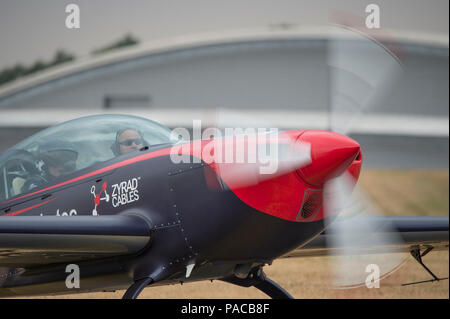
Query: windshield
{"points": [[72, 146]]}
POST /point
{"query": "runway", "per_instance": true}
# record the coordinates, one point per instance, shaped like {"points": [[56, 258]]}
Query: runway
{"points": [[403, 152]]}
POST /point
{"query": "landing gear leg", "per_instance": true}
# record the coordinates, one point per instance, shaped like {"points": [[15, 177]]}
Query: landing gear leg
{"points": [[258, 279], [136, 288], [418, 257]]}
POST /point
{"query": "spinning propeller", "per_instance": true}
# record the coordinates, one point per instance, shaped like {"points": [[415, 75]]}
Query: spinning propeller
{"points": [[361, 72]]}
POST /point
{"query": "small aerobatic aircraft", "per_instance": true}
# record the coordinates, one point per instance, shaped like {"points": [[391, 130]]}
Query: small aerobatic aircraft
{"points": [[129, 205]]}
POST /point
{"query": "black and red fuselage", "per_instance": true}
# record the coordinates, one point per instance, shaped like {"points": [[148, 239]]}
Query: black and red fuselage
{"points": [[199, 214]]}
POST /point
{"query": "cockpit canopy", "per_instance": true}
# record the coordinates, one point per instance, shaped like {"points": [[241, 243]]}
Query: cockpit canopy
{"points": [[69, 147]]}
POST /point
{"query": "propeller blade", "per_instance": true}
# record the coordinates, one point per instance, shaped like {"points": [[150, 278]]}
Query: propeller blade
{"points": [[259, 158], [361, 73], [253, 151], [365, 248]]}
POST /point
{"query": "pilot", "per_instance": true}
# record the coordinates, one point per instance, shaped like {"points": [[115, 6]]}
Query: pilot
{"points": [[127, 140], [56, 158]]}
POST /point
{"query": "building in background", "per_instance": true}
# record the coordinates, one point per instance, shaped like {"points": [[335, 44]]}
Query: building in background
{"points": [[278, 76]]}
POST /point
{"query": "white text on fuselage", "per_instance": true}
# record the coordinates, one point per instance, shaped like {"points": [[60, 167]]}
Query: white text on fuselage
{"points": [[72, 212], [125, 192]]}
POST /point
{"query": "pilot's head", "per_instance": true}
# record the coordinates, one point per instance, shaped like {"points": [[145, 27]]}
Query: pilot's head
{"points": [[129, 140], [59, 158]]}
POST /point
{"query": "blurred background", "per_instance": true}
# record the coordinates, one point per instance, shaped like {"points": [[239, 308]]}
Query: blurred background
{"points": [[178, 61], [248, 63]]}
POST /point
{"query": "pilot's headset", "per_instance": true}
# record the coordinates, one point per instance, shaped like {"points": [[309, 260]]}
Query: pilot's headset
{"points": [[56, 153], [115, 148]]}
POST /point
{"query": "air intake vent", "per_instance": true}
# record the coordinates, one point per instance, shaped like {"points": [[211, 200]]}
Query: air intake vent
{"points": [[312, 202]]}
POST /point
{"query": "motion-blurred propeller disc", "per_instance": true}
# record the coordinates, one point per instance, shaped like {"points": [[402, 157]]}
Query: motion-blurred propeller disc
{"points": [[365, 246], [361, 72], [266, 156]]}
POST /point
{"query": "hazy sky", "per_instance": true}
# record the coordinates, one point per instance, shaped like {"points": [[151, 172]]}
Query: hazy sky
{"points": [[36, 29]]}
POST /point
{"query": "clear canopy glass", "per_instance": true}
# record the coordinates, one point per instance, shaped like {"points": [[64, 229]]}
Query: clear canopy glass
{"points": [[72, 146]]}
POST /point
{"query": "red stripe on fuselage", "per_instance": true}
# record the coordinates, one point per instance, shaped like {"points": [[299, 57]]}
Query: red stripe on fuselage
{"points": [[28, 208], [195, 148], [136, 159], [280, 197]]}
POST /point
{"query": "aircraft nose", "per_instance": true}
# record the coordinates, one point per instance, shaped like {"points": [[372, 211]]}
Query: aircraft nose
{"points": [[331, 155]]}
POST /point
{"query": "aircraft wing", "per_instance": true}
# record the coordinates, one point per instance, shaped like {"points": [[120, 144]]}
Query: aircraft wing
{"points": [[414, 232], [27, 241]]}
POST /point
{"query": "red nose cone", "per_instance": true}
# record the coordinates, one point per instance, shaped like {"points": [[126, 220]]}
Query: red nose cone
{"points": [[331, 155]]}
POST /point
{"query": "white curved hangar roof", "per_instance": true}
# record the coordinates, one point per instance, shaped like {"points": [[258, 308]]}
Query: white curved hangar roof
{"points": [[236, 69], [209, 42]]}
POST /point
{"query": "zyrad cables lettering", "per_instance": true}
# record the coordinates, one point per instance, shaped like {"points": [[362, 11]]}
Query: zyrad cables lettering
{"points": [[125, 192]]}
